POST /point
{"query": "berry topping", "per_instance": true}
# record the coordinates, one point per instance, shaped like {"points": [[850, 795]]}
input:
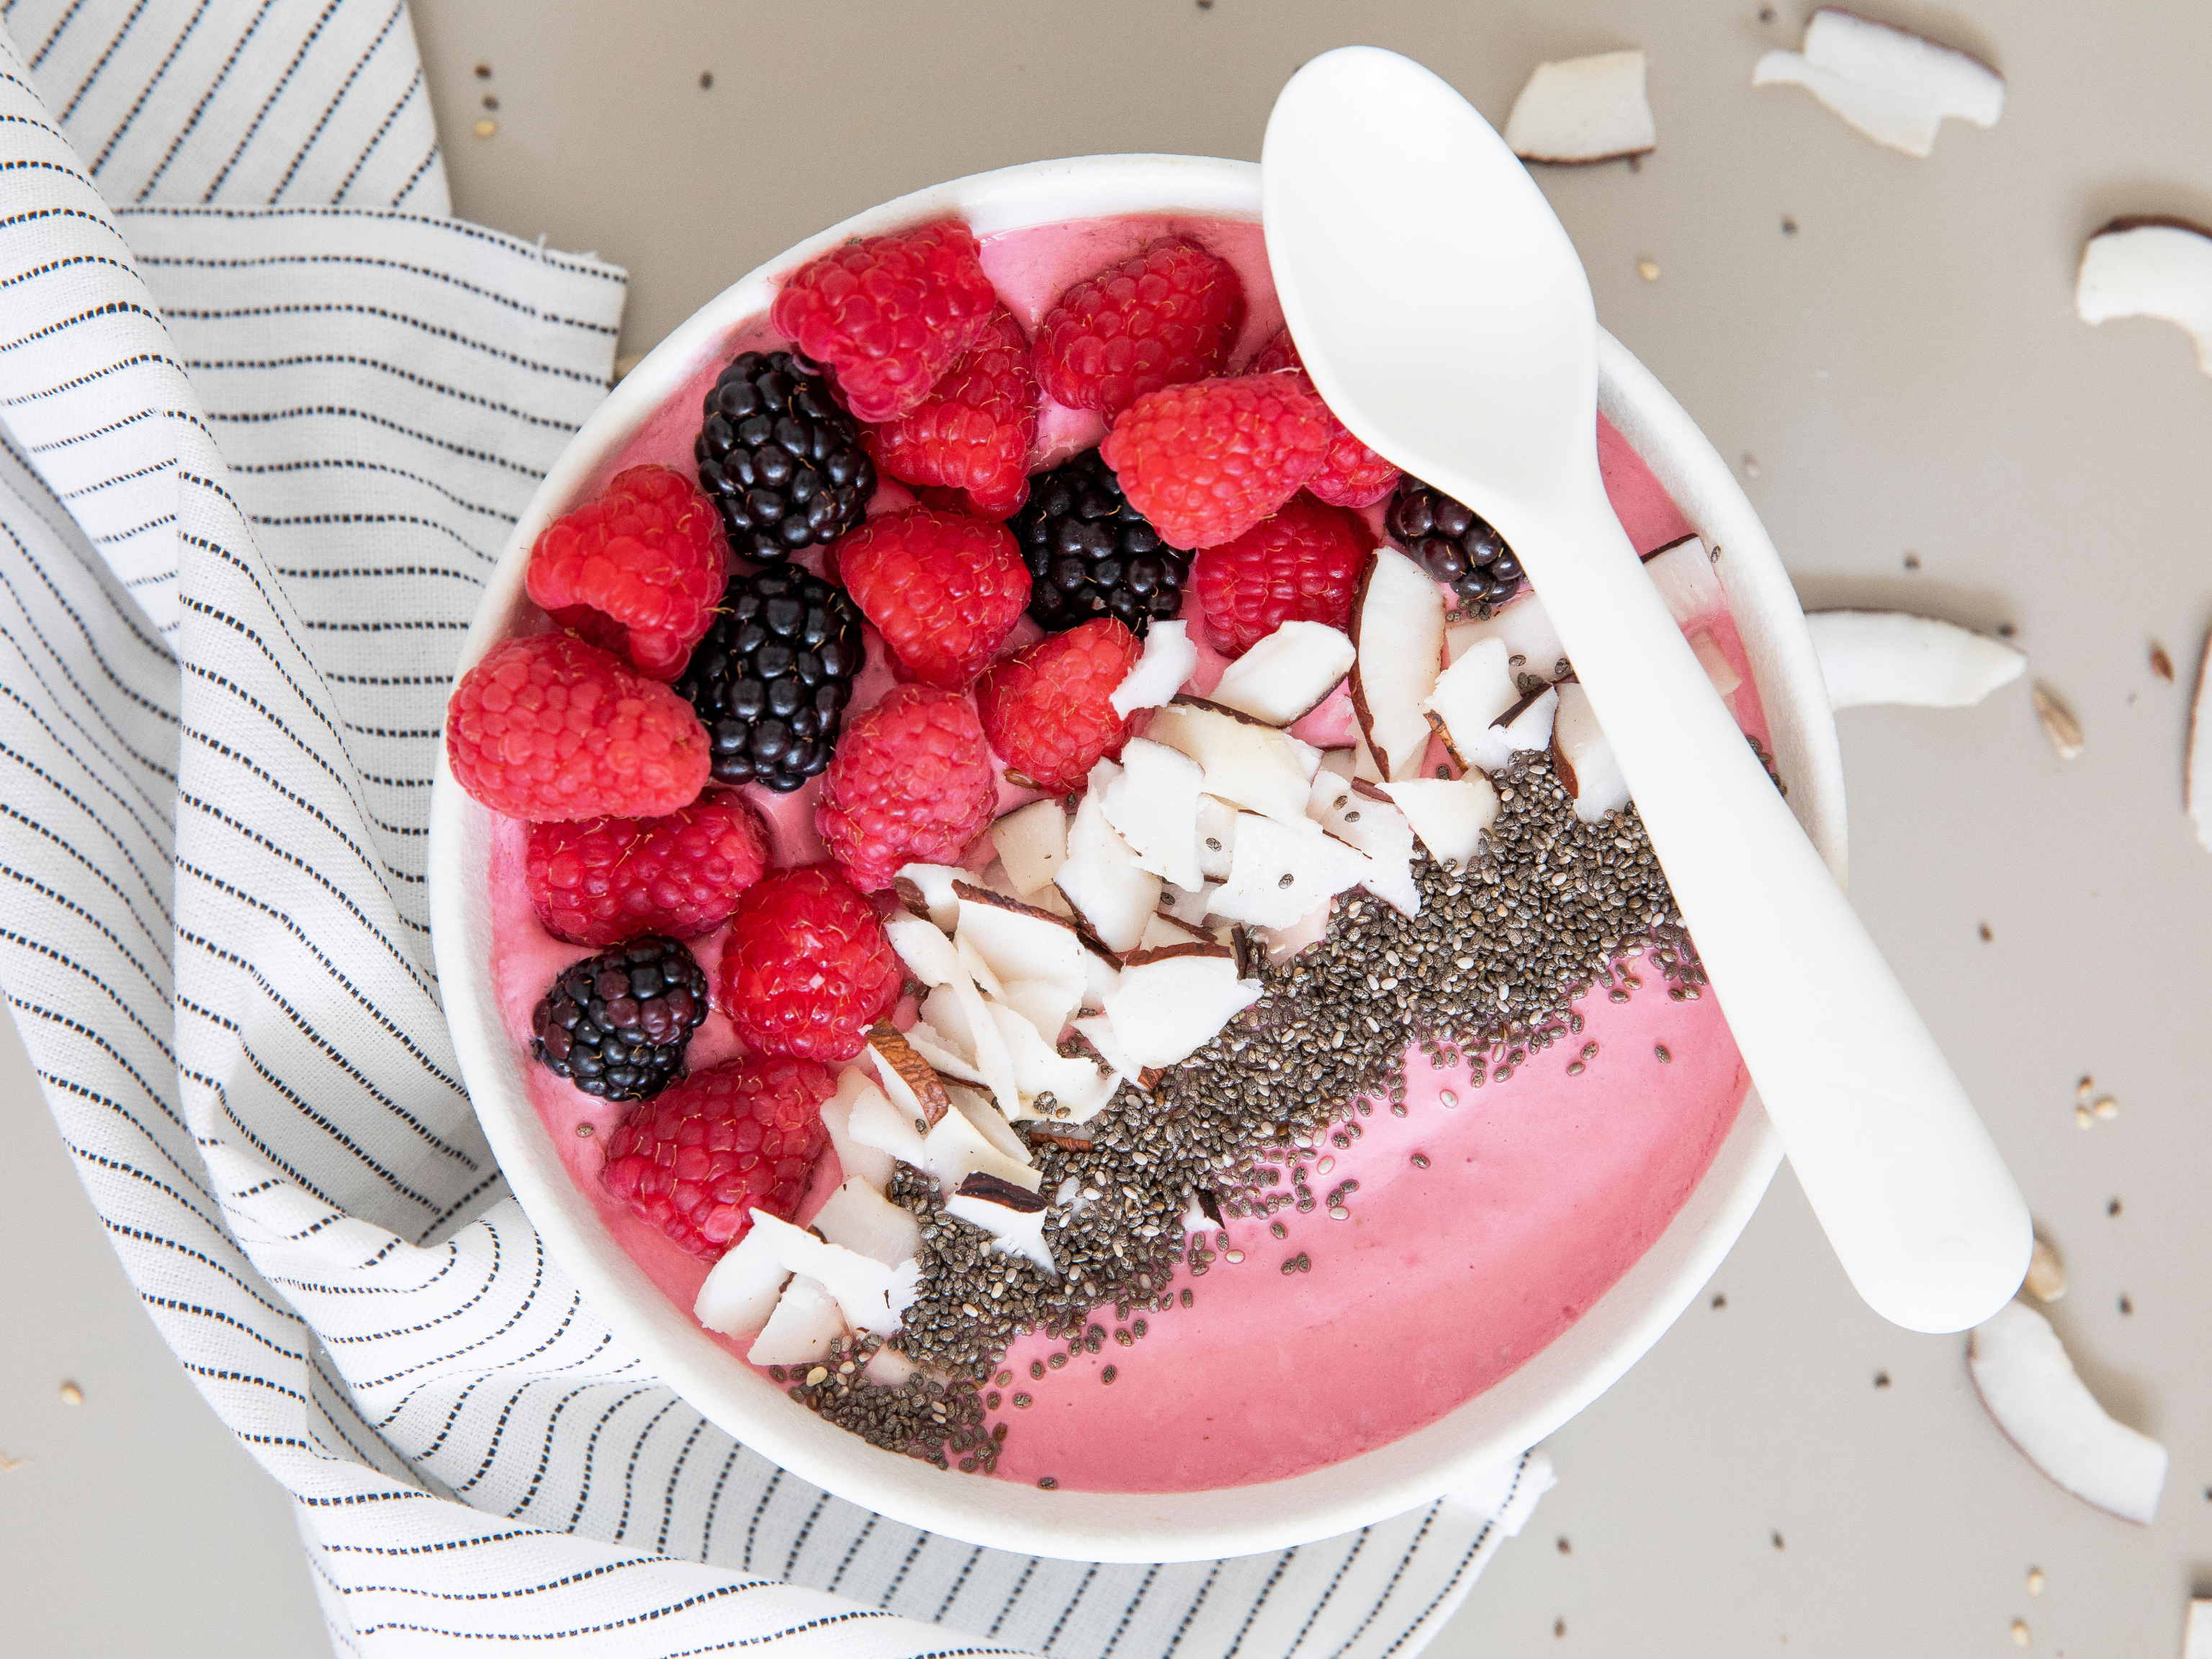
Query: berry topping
{"points": [[782, 461], [943, 589], [1351, 474], [739, 1137], [1301, 565], [1455, 545], [617, 1024], [806, 967], [645, 557], [771, 679], [974, 430], [549, 727], [912, 783], [1090, 553], [1047, 709], [887, 315], [1207, 462], [598, 880], [1166, 314]]}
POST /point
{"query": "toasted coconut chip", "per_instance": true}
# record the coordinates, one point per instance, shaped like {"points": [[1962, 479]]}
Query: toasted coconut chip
{"points": [[2197, 764], [1583, 110], [1894, 86], [1170, 655], [907, 1078], [2150, 267], [1014, 1217], [926, 890], [1894, 657], [2058, 722], [2031, 1390]]}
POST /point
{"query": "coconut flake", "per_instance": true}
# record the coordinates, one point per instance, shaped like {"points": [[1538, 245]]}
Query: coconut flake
{"points": [[860, 1218], [1369, 821], [862, 1162], [1892, 85], [1398, 625], [2031, 1392], [926, 890], [2058, 721], [1032, 843], [907, 1076], [740, 1291], [870, 1294], [1171, 1003], [1583, 110], [1170, 656], [1013, 1216], [1469, 695], [1447, 814], [1894, 657], [1581, 758], [1286, 675], [1153, 805], [1246, 761], [806, 1320], [2146, 266], [876, 1122], [1101, 878], [1281, 871]]}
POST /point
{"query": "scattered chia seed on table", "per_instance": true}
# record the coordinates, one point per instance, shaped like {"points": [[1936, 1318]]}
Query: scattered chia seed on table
{"points": [[1549, 910]]}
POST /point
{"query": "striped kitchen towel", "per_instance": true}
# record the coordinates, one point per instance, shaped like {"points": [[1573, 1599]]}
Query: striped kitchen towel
{"points": [[267, 415]]}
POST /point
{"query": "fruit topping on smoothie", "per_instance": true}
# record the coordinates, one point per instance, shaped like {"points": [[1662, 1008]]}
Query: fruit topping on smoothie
{"points": [[1095, 846], [1090, 553], [771, 678], [781, 458], [617, 1024]]}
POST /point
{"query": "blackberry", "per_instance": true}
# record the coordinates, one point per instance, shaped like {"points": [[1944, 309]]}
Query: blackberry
{"points": [[781, 459], [771, 679], [1454, 543], [1090, 553], [617, 1024]]}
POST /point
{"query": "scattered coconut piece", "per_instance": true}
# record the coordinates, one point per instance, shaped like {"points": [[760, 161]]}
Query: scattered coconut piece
{"points": [[1894, 657], [966, 1139], [1447, 814], [878, 1122], [740, 1291], [1153, 804], [1532, 644], [1398, 626], [870, 1294], [910, 1081], [1098, 1030], [2031, 1392], [1018, 941], [1073, 1085], [1047, 1007], [2047, 1273], [1170, 655], [922, 944], [1714, 661], [1582, 760], [1247, 762], [1528, 724], [1583, 110], [860, 1218], [1281, 871], [859, 1161], [1683, 573], [1368, 821], [950, 1055], [1032, 843], [804, 1322], [926, 890], [2197, 761], [2150, 266], [1894, 86], [1467, 696], [1111, 892], [1286, 675], [1187, 904], [1171, 1002], [2058, 722], [1013, 1216], [1216, 836], [2196, 1635]]}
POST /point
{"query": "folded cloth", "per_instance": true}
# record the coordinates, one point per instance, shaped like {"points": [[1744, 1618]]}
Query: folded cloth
{"points": [[256, 464]]}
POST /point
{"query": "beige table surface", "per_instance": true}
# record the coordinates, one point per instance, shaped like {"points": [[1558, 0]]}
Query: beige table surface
{"points": [[1921, 421]]}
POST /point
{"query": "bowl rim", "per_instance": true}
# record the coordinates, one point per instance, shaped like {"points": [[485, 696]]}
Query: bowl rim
{"points": [[1548, 1389]]}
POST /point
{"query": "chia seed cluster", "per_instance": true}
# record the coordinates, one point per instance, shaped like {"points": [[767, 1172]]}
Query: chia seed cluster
{"points": [[1550, 910]]}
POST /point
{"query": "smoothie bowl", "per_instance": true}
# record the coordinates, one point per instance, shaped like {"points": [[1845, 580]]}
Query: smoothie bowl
{"points": [[1050, 941]]}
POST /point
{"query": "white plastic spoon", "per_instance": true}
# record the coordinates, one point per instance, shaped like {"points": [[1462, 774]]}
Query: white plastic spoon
{"points": [[1444, 316]]}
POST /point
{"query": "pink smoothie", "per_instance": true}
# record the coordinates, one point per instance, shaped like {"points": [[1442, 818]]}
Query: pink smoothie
{"points": [[1537, 1194]]}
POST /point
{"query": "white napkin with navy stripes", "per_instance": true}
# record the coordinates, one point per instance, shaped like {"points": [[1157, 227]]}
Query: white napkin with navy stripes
{"points": [[266, 417]]}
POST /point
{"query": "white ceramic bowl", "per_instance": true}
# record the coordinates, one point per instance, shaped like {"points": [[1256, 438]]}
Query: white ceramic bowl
{"points": [[1525, 1406]]}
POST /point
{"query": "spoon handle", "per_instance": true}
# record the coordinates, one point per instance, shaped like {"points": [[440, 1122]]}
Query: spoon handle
{"points": [[1903, 1176]]}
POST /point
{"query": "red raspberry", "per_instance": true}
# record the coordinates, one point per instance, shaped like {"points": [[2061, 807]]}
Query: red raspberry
{"points": [[912, 783], [1046, 708], [1351, 474], [1205, 463], [887, 315], [699, 1157], [646, 564], [1301, 565], [974, 430], [943, 589], [806, 967], [549, 727], [599, 881], [1166, 314]]}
